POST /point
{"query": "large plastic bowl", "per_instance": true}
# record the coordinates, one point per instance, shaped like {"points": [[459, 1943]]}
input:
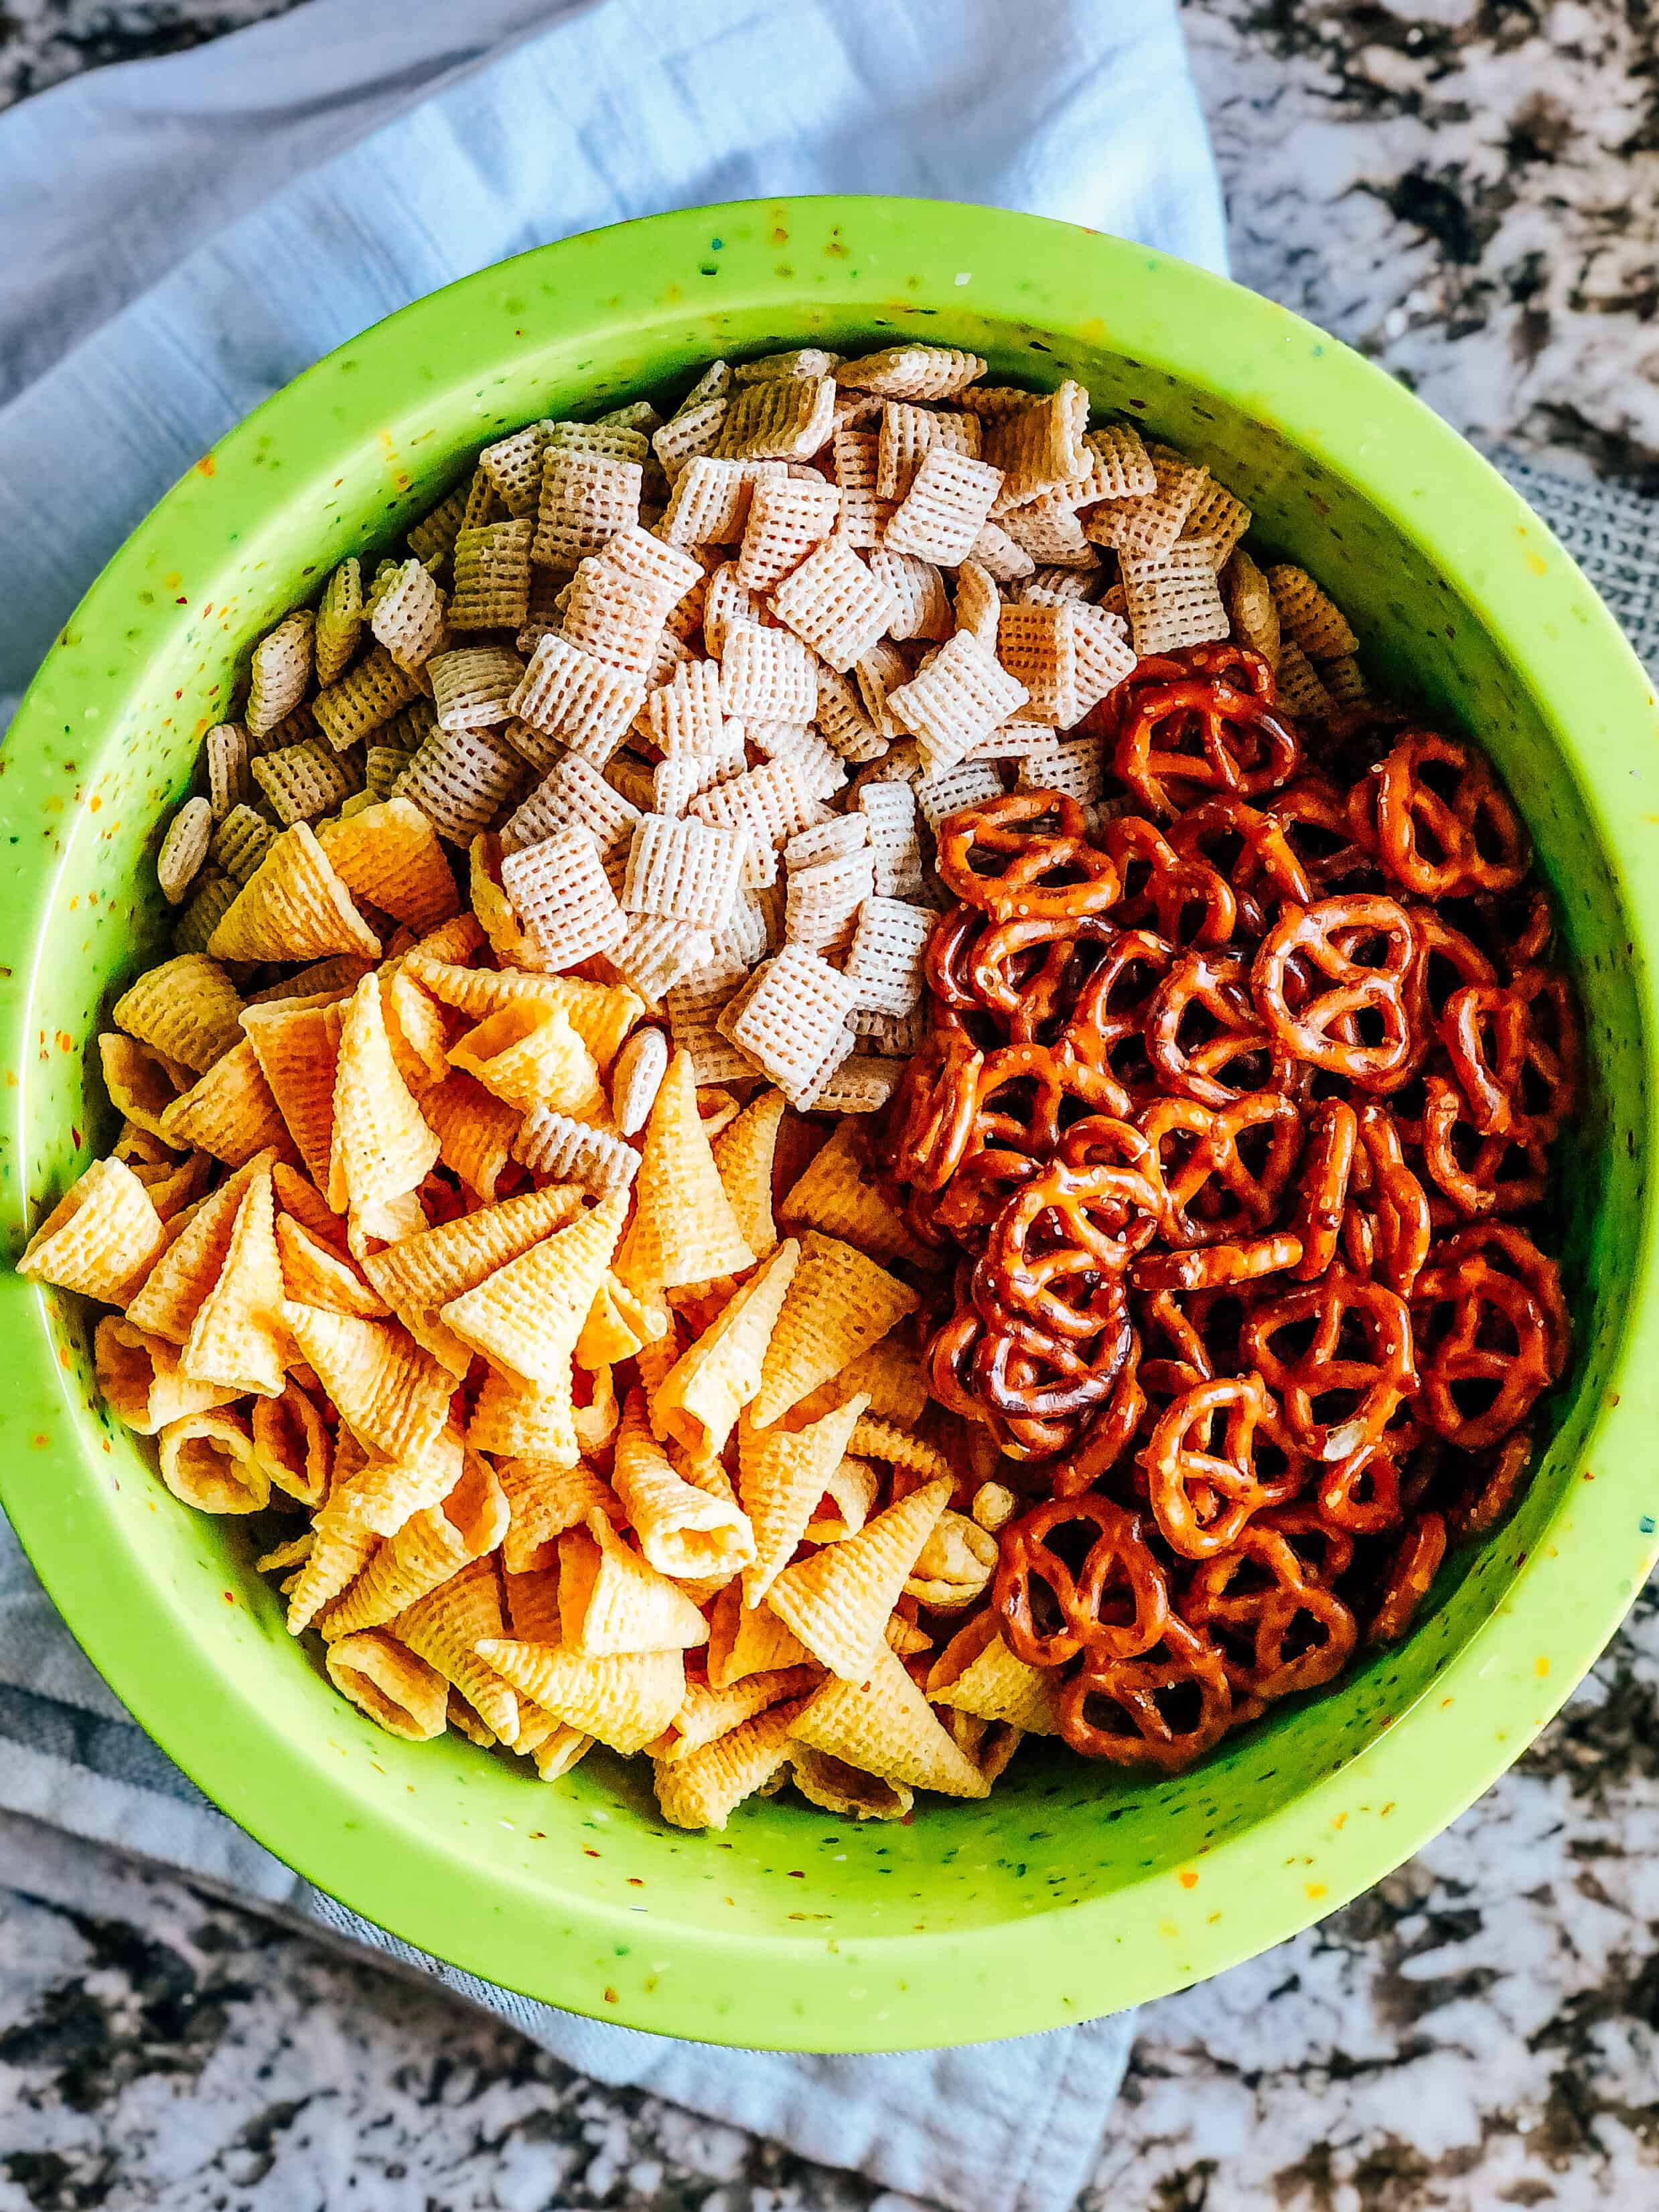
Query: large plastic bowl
{"points": [[1076, 1889]]}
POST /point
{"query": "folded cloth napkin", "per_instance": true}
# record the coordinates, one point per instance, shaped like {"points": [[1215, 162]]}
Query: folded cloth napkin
{"points": [[182, 238]]}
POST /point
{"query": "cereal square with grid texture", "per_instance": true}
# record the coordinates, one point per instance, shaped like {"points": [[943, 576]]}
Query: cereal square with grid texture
{"points": [[304, 782], [686, 869], [1041, 448], [461, 780], [710, 501], [573, 795], [474, 686], [614, 619], [491, 589], [514, 466], [363, 698], [1216, 521], [842, 721], [564, 899], [889, 812], [838, 605], [1173, 599], [1048, 528], [767, 676], [789, 516], [784, 418], [905, 434], [1151, 524], [791, 1017], [689, 434], [656, 952], [568, 695], [1308, 615], [961, 695], [586, 498], [684, 715], [917, 372], [865, 514], [1119, 466], [947, 506], [921, 605], [822, 901], [953, 788]]}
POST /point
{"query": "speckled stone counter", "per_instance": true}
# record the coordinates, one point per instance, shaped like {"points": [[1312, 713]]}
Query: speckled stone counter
{"points": [[1467, 190]]}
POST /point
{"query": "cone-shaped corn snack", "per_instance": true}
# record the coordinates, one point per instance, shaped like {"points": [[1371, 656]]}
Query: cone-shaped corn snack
{"points": [[698, 1401], [294, 907], [684, 1229], [622, 1702], [838, 1600], [839, 1304], [781, 1475], [683, 1529], [884, 1725]]}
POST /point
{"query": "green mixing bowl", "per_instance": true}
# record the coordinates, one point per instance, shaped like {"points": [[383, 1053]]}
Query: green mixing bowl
{"points": [[1076, 1889]]}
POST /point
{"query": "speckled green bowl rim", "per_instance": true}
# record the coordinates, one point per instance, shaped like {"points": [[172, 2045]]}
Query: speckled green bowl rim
{"points": [[1343, 1832]]}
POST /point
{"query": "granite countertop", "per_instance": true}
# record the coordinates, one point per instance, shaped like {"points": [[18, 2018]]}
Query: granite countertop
{"points": [[1467, 190]]}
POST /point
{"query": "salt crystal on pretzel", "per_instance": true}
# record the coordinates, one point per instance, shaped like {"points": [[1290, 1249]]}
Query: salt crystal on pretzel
{"points": [[1120, 465], [656, 952], [687, 869], [887, 954], [280, 671], [1308, 615], [583, 703], [492, 577], [952, 788], [339, 620], [1301, 691], [906, 434], [915, 372], [961, 695], [1172, 600], [945, 510], [863, 513], [561, 895], [1041, 448], [792, 1020], [1048, 528], [574, 795], [473, 685], [365, 697], [921, 605], [1249, 601], [1216, 521], [767, 676], [585, 499], [996, 553], [405, 612], [461, 780], [837, 605], [304, 782], [889, 812], [1151, 524], [779, 418], [822, 901], [689, 435], [787, 517]]}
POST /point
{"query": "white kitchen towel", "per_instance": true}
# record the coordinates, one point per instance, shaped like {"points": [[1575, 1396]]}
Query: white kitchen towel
{"points": [[181, 237], [370, 154]]}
